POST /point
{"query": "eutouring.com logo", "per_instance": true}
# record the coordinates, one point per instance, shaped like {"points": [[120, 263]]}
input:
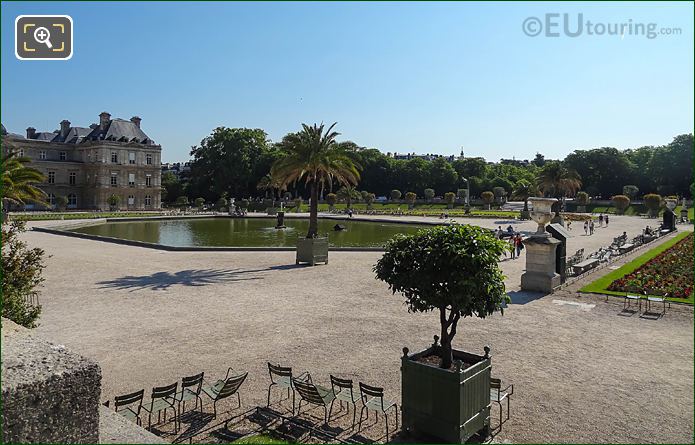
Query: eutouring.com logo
{"points": [[554, 24]]}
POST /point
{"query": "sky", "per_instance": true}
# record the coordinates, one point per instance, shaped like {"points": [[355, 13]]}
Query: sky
{"points": [[400, 77]]}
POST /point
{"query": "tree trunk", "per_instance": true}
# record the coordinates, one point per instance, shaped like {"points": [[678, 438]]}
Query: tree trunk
{"points": [[313, 211], [526, 205]]}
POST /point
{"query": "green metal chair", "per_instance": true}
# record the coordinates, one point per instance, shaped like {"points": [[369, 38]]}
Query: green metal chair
{"points": [[373, 399], [281, 377], [129, 406], [313, 394], [162, 399], [344, 392], [190, 390], [225, 388], [498, 395]]}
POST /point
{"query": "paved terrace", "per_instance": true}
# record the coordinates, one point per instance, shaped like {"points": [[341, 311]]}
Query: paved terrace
{"points": [[581, 373]]}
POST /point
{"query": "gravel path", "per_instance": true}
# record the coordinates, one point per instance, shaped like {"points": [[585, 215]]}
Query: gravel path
{"points": [[581, 374]]}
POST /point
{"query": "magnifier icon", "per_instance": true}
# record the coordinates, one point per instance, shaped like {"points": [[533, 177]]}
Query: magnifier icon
{"points": [[42, 35]]}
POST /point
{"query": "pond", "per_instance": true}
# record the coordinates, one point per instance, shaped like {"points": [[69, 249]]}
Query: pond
{"points": [[247, 232]]}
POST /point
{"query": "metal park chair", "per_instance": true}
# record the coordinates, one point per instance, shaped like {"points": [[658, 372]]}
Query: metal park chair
{"points": [[129, 406], [498, 395], [344, 392], [225, 388], [190, 390], [313, 394], [281, 377], [162, 399], [373, 399]]}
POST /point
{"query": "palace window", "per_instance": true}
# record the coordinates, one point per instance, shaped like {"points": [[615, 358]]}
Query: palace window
{"points": [[73, 178], [131, 200], [131, 157], [148, 200], [114, 157], [114, 179], [51, 177], [42, 154], [21, 153], [131, 179], [148, 159], [72, 200], [63, 156], [51, 199], [148, 180]]}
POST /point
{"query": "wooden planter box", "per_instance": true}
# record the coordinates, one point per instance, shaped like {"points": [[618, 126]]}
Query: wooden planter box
{"points": [[312, 250], [449, 405]]}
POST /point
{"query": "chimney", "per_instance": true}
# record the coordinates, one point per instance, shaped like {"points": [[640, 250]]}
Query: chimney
{"points": [[104, 119], [64, 128], [31, 133], [136, 120]]}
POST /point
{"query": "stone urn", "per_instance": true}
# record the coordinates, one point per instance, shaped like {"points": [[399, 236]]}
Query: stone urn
{"points": [[542, 213], [670, 203]]}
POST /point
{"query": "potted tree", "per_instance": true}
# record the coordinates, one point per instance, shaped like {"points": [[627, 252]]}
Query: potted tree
{"points": [[331, 199], [487, 197], [429, 194], [114, 201], [652, 202], [582, 199], [621, 203], [450, 198], [199, 203], [395, 195], [313, 157], [410, 198], [369, 200], [454, 271]]}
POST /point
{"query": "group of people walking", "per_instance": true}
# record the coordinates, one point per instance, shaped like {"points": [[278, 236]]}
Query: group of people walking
{"points": [[589, 224], [514, 239]]}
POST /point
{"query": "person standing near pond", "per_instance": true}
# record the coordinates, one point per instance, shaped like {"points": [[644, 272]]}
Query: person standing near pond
{"points": [[606, 220], [600, 220], [591, 227], [586, 227]]}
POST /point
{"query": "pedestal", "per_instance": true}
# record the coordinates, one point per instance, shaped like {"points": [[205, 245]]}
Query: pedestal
{"points": [[540, 275]]}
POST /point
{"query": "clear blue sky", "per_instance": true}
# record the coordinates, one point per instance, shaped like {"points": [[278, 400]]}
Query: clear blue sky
{"points": [[421, 77]]}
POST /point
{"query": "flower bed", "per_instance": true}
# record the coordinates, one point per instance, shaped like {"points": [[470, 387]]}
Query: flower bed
{"points": [[670, 272]]}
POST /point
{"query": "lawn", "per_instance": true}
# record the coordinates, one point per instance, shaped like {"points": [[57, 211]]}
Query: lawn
{"points": [[601, 285], [261, 439]]}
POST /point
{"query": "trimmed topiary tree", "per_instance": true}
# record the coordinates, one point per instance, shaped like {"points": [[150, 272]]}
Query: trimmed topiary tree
{"points": [[395, 195], [199, 203], [182, 201], [582, 198], [369, 200], [114, 201], [488, 198], [499, 193], [331, 199], [621, 203], [221, 204], [410, 198], [630, 191], [652, 202], [244, 204], [450, 198], [429, 194], [453, 270]]}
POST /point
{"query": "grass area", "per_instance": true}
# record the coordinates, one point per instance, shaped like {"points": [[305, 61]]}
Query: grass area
{"points": [[81, 215], [261, 439], [600, 286], [632, 210], [434, 209]]}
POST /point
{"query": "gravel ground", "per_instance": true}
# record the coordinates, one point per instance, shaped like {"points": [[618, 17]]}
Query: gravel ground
{"points": [[581, 373]]}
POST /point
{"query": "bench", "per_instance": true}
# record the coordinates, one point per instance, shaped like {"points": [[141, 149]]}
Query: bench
{"points": [[626, 248], [585, 265]]}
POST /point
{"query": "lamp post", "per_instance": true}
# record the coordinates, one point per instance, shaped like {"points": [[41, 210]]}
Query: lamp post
{"points": [[468, 190]]}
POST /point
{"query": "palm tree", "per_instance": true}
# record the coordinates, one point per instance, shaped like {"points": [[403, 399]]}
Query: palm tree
{"points": [[314, 157], [524, 190], [269, 183], [17, 181], [558, 181], [348, 193]]}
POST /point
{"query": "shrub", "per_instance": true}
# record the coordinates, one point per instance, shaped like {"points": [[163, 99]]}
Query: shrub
{"points": [[461, 193], [582, 198], [621, 203], [21, 268], [499, 193], [450, 269], [410, 198], [395, 195], [199, 202], [182, 201], [113, 201], [244, 204], [429, 194], [369, 199], [653, 203], [487, 198], [62, 203], [221, 204], [450, 197]]}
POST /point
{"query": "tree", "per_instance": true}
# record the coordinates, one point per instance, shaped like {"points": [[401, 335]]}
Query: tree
{"points": [[499, 193], [199, 202], [524, 190], [369, 199], [114, 201], [221, 203], [429, 194], [172, 187], [182, 201], [312, 156], [395, 195], [244, 204], [450, 198], [539, 160], [653, 203], [17, 181], [487, 197], [442, 175], [558, 181], [630, 191], [268, 183], [582, 198], [348, 193], [331, 199], [231, 160], [61, 203], [450, 269], [606, 169], [21, 270], [410, 198], [621, 203]]}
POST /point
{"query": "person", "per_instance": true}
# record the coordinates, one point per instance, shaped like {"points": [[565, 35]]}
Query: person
{"points": [[606, 219], [510, 229], [349, 213], [591, 227], [569, 225], [512, 244], [586, 227], [519, 245], [600, 220]]}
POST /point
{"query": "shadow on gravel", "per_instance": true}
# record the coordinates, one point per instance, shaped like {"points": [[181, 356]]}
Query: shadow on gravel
{"points": [[523, 297], [165, 280]]}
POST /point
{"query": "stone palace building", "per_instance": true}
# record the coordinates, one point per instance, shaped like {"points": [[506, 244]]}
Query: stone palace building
{"points": [[87, 165]]}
